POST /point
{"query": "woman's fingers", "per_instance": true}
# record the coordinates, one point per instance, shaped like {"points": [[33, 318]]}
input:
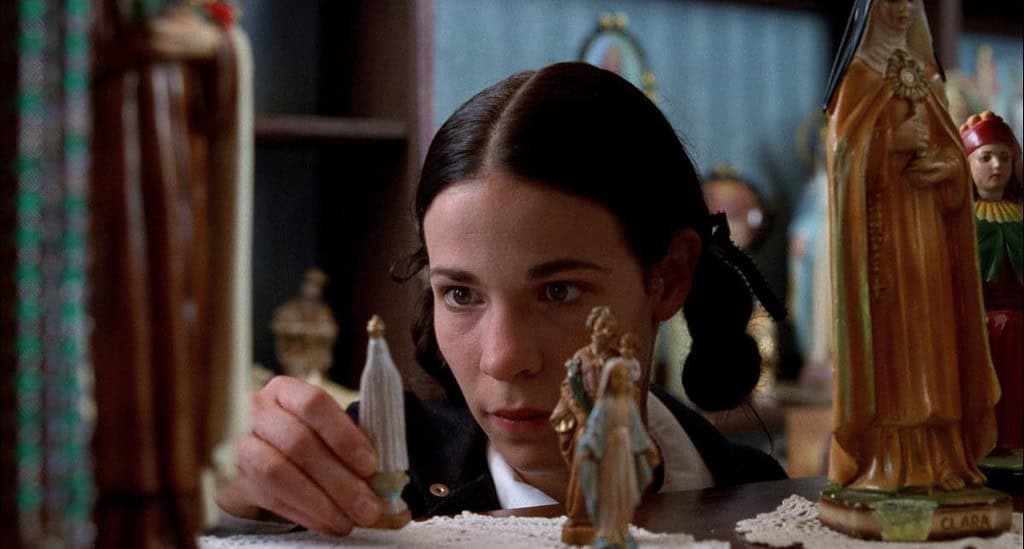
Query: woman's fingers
{"points": [[321, 413], [271, 481], [306, 450], [305, 460]]}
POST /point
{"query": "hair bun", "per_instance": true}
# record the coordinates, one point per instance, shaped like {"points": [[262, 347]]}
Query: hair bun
{"points": [[721, 377]]}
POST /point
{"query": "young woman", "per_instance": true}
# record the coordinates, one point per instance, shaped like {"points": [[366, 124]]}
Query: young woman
{"points": [[543, 196]]}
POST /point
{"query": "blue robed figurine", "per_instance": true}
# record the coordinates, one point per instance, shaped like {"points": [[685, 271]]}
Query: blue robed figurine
{"points": [[615, 456]]}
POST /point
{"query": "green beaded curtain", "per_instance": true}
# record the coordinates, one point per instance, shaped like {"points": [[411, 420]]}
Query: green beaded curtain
{"points": [[51, 378]]}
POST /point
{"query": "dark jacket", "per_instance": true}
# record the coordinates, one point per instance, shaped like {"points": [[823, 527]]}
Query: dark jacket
{"points": [[448, 448]]}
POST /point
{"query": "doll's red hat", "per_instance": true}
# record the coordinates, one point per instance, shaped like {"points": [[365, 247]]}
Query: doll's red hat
{"points": [[985, 129]]}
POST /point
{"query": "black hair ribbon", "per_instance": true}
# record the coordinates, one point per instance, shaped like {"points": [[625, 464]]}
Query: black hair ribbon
{"points": [[726, 251]]}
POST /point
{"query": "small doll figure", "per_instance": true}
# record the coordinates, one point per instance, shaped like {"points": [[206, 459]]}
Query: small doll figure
{"points": [[994, 156], [382, 417], [569, 418], [615, 454]]}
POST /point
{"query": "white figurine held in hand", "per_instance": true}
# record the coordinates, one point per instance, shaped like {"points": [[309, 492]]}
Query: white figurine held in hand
{"points": [[382, 417]]}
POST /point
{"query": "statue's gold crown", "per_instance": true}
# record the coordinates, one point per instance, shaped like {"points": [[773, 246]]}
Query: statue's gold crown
{"points": [[375, 327]]}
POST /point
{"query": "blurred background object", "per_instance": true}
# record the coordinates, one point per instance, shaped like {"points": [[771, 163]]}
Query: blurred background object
{"points": [[304, 333]]}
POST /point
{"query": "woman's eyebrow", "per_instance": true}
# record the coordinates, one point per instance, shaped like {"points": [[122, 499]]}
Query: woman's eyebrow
{"points": [[455, 275], [549, 268]]}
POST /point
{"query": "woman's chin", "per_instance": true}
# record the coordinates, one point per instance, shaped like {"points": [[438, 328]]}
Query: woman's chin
{"points": [[532, 458]]}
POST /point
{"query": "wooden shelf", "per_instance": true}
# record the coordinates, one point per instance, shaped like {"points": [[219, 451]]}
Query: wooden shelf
{"points": [[291, 127]]}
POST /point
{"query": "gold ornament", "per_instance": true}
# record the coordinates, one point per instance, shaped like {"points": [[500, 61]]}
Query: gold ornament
{"points": [[906, 77]]}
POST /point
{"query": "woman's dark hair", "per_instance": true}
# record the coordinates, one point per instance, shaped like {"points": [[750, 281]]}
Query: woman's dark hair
{"points": [[584, 130]]}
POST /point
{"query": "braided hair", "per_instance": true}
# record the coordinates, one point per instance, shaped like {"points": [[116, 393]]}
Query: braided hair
{"points": [[586, 131]]}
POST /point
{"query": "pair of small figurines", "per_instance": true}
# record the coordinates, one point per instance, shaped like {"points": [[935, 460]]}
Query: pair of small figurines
{"points": [[598, 420], [603, 437]]}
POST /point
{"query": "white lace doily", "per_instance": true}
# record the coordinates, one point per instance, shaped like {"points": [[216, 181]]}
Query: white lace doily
{"points": [[795, 521], [468, 530]]}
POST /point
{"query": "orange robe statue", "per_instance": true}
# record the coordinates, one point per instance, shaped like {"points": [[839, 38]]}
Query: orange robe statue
{"points": [[914, 387]]}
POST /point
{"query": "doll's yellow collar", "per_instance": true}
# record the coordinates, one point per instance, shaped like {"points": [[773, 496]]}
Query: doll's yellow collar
{"points": [[997, 211]]}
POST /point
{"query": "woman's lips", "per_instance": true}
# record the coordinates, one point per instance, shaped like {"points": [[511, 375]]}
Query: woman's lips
{"points": [[521, 420]]}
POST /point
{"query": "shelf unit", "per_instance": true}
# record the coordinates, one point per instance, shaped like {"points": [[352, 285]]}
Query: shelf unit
{"points": [[313, 128], [338, 146]]}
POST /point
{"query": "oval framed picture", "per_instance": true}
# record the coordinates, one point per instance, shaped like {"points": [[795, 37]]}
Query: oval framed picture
{"points": [[613, 48]]}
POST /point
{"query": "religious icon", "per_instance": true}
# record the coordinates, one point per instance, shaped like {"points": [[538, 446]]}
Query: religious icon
{"points": [[613, 48], [810, 296], [994, 156], [569, 418], [615, 455], [915, 390], [382, 417]]}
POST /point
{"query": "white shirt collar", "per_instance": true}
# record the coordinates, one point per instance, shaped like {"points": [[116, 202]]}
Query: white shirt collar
{"points": [[684, 468], [512, 492]]}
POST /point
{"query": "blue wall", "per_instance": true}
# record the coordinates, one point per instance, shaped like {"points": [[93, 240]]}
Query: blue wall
{"points": [[734, 81]]}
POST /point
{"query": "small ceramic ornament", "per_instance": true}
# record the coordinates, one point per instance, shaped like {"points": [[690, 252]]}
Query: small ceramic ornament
{"points": [[569, 418], [915, 390], [382, 417], [994, 156], [615, 455]]}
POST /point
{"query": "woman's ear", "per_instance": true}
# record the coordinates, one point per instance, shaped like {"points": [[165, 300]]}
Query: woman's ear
{"points": [[671, 278]]}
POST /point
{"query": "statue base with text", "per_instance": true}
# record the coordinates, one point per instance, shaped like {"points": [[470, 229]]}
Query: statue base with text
{"points": [[916, 515]]}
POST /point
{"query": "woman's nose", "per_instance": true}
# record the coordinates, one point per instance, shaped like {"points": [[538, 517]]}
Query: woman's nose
{"points": [[508, 348]]}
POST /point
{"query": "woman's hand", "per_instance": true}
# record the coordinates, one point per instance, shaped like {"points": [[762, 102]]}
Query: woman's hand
{"points": [[304, 460]]}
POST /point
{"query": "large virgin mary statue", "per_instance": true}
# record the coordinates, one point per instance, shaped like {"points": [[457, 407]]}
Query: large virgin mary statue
{"points": [[915, 388]]}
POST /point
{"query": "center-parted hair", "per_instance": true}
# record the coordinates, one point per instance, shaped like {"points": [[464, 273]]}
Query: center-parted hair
{"points": [[586, 131]]}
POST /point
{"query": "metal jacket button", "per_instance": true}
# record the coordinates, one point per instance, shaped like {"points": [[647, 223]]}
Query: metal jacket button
{"points": [[439, 490]]}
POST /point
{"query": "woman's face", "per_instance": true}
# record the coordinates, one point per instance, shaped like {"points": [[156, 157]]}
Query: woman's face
{"points": [[515, 268], [896, 14], [991, 167]]}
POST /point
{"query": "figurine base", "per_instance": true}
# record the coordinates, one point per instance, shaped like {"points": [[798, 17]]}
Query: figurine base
{"points": [[577, 534], [916, 516], [393, 522]]}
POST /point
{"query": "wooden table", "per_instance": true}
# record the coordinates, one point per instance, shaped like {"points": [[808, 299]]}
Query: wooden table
{"points": [[711, 513]]}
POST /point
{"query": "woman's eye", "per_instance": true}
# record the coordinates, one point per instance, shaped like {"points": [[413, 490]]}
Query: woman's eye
{"points": [[460, 296], [561, 291]]}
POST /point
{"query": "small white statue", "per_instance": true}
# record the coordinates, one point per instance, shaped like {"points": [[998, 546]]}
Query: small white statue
{"points": [[382, 417]]}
